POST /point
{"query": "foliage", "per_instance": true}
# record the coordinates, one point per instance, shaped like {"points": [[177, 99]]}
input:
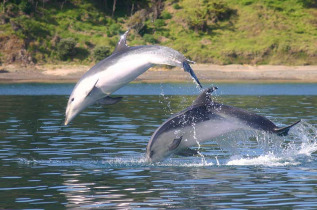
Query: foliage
{"points": [[166, 15], [217, 31], [101, 52], [203, 13], [159, 23], [114, 29], [66, 48], [26, 7], [149, 38], [309, 3], [176, 6]]}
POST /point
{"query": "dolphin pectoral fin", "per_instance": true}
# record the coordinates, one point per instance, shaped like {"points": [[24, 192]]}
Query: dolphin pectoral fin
{"points": [[188, 69], [92, 89], [284, 131], [187, 152], [108, 100], [175, 144]]}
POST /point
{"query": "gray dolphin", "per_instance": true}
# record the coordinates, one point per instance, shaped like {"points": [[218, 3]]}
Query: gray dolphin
{"points": [[124, 65], [203, 120]]}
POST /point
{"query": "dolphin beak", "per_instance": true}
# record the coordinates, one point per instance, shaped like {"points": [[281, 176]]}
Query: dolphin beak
{"points": [[70, 115], [67, 116]]}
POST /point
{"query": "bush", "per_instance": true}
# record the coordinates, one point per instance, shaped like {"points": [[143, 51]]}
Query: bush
{"points": [[159, 23], [32, 29], [176, 6], [149, 38], [66, 48], [101, 52], [202, 14], [166, 15], [26, 7], [114, 29], [308, 3]]}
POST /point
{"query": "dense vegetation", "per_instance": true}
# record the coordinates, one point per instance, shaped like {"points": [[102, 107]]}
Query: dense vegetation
{"points": [[215, 31]]}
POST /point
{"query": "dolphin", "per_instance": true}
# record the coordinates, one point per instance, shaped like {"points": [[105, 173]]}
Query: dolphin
{"points": [[124, 65], [204, 120]]}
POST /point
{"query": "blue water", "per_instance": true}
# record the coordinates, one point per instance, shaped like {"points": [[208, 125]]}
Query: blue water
{"points": [[98, 160], [168, 89]]}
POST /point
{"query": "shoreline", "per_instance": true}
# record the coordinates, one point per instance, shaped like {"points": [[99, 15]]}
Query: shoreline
{"points": [[207, 73]]}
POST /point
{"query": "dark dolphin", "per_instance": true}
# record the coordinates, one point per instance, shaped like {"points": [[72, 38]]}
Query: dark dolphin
{"points": [[203, 120]]}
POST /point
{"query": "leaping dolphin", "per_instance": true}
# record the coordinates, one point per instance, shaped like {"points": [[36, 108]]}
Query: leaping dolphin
{"points": [[124, 65], [203, 120]]}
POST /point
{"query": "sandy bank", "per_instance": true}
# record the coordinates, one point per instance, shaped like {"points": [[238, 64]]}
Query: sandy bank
{"points": [[205, 72]]}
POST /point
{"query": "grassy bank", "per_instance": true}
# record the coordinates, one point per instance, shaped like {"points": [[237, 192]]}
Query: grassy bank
{"points": [[220, 32]]}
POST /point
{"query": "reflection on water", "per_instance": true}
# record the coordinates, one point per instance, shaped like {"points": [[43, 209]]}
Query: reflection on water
{"points": [[98, 161]]}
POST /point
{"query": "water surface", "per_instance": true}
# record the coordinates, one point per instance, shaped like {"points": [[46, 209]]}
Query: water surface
{"points": [[98, 160]]}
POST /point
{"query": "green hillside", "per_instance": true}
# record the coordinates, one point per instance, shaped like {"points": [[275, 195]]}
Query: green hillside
{"points": [[221, 32]]}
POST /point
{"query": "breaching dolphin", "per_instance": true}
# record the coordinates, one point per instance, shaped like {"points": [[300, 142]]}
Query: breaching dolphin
{"points": [[124, 65], [203, 120]]}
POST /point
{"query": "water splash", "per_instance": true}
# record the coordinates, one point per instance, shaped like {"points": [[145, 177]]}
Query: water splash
{"points": [[165, 101], [203, 160], [240, 148], [113, 163], [297, 148]]}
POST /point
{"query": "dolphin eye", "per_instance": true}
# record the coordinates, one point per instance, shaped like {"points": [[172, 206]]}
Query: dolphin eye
{"points": [[72, 99]]}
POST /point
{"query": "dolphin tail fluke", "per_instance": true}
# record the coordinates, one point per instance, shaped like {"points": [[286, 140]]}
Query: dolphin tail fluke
{"points": [[188, 69], [284, 131]]}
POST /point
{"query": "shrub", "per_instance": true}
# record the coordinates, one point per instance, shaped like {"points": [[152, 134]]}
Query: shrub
{"points": [[31, 28], [26, 7], [202, 14], [114, 29], [166, 15], [308, 3], [159, 23], [149, 38], [101, 52], [176, 6], [66, 48]]}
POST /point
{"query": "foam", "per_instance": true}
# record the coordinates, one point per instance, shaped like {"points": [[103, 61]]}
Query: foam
{"points": [[296, 149]]}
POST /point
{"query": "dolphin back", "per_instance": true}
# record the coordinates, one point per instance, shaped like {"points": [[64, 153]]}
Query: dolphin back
{"points": [[160, 55]]}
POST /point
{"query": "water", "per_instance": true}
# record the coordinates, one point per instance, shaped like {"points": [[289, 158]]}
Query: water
{"points": [[98, 161]]}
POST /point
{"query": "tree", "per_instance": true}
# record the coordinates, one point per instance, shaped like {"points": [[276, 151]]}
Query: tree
{"points": [[114, 7]]}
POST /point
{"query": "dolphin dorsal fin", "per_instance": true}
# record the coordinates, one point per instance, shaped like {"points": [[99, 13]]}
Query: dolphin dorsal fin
{"points": [[122, 43], [204, 98]]}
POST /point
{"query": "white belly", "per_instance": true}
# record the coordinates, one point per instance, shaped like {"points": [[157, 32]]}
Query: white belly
{"points": [[201, 132], [121, 73]]}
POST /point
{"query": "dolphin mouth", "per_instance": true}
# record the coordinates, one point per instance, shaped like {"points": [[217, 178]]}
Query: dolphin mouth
{"points": [[67, 118]]}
